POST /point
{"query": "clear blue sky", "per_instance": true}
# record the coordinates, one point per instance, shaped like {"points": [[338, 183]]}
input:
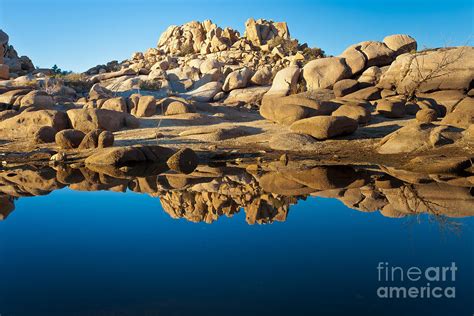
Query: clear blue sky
{"points": [[79, 34]]}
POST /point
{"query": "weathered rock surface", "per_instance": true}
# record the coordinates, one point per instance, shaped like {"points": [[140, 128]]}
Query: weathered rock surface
{"points": [[87, 120], [324, 127], [325, 72], [440, 69], [27, 123]]}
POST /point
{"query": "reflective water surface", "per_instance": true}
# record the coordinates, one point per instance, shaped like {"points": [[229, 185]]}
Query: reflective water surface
{"points": [[229, 241]]}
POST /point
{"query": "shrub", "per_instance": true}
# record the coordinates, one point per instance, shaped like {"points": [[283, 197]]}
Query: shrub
{"points": [[150, 84]]}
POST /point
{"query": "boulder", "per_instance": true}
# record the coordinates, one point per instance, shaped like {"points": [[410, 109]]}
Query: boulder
{"points": [[325, 72], [204, 93], [146, 106], [237, 79], [354, 111], [368, 94], [132, 103], [27, 123], [288, 109], [178, 107], [355, 60], [445, 68], [115, 104], [426, 116], [418, 137], [401, 43], [375, 53], [11, 96], [391, 108], [370, 76], [324, 127], [345, 87], [38, 99], [262, 76], [98, 92], [69, 138], [208, 65], [462, 115], [285, 113], [129, 155], [87, 120], [90, 140], [106, 139], [285, 81], [183, 161], [251, 95], [44, 135], [4, 71]]}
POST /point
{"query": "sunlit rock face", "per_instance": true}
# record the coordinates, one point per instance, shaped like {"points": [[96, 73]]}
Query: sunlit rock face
{"points": [[211, 192]]}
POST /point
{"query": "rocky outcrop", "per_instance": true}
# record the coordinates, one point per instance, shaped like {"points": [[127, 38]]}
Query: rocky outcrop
{"points": [[259, 32], [12, 65]]}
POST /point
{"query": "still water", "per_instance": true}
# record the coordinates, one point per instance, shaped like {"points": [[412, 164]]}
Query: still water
{"points": [[74, 252]]}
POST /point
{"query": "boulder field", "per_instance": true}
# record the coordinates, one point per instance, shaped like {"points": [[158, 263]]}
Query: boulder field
{"points": [[209, 90]]}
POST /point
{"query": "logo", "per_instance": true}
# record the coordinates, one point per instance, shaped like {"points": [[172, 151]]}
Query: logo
{"points": [[416, 282]]}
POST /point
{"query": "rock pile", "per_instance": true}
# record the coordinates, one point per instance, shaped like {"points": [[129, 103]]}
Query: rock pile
{"points": [[12, 65]]}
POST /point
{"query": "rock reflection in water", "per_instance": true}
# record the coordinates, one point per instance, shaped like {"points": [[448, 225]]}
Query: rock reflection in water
{"points": [[264, 196]]}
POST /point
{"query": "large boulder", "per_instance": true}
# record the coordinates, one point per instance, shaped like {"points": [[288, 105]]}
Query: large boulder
{"points": [[69, 138], [401, 43], [146, 106], [355, 60], [262, 76], [237, 79], [375, 53], [370, 76], [87, 120], [345, 87], [323, 73], [418, 137], [391, 108], [285, 81], [38, 99], [178, 107], [115, 104], [324, 127], [369, 94], [98, 92], [354, 111], [251, 95], [128, 155], [462, 115], [440, 69], [27, 123], [204, 93], [209, 65], [288, 109]]}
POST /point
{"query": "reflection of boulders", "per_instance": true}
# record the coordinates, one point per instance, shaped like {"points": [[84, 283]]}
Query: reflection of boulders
{"points": [[6, 206], [210, 192]]}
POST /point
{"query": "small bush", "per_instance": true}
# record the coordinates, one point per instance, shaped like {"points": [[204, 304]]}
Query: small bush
{"points": [[150, 85], [312, 53]]}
